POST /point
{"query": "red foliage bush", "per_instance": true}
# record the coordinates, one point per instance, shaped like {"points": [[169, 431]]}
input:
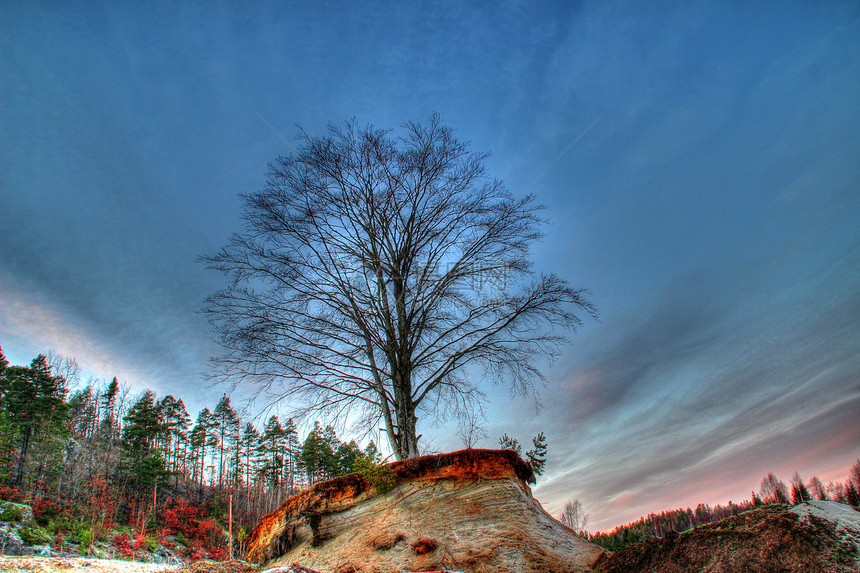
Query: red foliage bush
{"points": [[181, 516], [101, 505], [10, 493], [204, 536], [210, 533], [43, 506], [59, 540], [218, 553], [122, 542]]}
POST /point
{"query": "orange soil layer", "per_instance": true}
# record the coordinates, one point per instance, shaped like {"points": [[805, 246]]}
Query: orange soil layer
{"points": [[464, 464]]}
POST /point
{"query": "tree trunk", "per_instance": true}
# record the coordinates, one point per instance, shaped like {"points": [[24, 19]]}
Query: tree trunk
{"points": [[25, 447], [406, 429]]}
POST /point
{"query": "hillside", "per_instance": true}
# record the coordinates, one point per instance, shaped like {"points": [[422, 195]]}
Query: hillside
{"points": [[813, 537]]}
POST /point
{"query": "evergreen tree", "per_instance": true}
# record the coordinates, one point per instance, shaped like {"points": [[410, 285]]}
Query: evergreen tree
{"points": [[7, 432], [371, 452], [347, 455], [537, 455], [202, 438], [176, 421], [226, 423], [854, 474], [7, 446], [508, 443], [273, 447], [756, 500], [82, 412], [34, 401], [249, 445], [108, 421], [852, 496], [318, 458], [143, 429], [291, 452]]}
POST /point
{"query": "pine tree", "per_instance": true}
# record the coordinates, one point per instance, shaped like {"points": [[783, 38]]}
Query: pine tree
{"points": [[202, 438], [34, 401], [852, 496], [756, 500], [537, 455], [854, 474], [108, 421], [273, 446], [371, 452], [82, 412], [249, 445], [291, 452], [176, 421], [7, 445], [508, 443], [226, 423], [144, 428], [347, 456], [318, 458]]}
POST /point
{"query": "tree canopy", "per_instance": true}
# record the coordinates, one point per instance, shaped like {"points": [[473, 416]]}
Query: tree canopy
{"points": [[374, 272]]}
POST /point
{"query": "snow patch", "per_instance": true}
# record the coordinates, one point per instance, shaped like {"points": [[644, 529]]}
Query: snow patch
{"points": [[845, 518]]}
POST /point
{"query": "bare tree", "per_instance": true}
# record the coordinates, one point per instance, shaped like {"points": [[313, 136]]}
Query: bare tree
{"points": [[575, 517], [471, 429], [375, 271], [64, 366], [773, 490], [816, 489]]}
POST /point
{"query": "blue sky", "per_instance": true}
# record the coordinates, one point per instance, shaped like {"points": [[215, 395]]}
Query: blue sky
{"points": [[699, 163]]}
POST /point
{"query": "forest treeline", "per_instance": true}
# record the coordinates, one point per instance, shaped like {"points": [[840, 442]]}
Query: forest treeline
{"points": [[771, 491], [97, 458], [134, 470]]}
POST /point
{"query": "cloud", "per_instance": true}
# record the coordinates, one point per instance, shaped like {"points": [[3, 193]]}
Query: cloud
{"points": [[703, 396], [31, 325]]}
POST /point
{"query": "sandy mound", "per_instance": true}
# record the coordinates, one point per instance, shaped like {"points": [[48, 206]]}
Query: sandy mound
{"points": [[468, 511]]}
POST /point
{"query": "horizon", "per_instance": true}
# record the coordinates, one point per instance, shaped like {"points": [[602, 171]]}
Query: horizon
{"points": [[698, 165]]}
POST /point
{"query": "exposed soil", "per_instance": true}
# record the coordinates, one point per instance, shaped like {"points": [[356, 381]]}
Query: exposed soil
{"points": [[234, 566], [342, 493], [468, 511], [768, 540]]}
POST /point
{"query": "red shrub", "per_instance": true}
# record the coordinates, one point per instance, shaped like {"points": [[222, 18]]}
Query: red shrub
{"points": [[9, 493], [209, 532], [181, 516], [44, 507], [218, 554], [122, 542], [139, 540]]}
